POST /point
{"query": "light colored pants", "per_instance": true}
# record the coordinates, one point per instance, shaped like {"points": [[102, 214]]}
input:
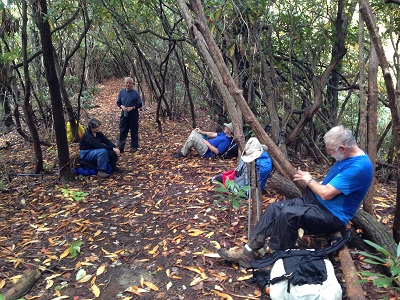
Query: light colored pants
{"points": [[194, 140]]}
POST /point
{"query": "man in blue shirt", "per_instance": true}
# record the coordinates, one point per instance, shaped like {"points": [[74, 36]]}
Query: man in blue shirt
{"points": [[129, 102], [207, 143], [327, 206]]}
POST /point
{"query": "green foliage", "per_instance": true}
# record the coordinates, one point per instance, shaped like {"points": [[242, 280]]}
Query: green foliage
{"points": [[9, 56], [2, 187], [387, 260], [232, 193], [61, 286], [75, 195], [88, 96], [75, 248]]}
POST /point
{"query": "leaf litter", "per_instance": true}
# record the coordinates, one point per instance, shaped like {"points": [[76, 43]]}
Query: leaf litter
{"points": [[149, 233]]}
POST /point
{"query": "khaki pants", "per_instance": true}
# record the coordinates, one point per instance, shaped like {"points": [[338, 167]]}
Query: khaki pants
{"points": [[194, 140]]}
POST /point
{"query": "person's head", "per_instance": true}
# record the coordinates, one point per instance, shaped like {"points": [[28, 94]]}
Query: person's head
{"points": [[128, 83], [252, 150], [338, 141], [94, 124], [228, 129]]}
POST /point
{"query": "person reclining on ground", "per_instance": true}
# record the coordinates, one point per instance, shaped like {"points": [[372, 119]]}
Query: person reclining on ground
{"points": [[207, 143], [253, 150], [96, 148], [327, 207]]}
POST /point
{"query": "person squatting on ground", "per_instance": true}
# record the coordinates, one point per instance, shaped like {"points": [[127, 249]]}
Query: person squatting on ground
{"points": [[97, 149], [207, 143], [253, 150], [326, 207], [129, 102]]}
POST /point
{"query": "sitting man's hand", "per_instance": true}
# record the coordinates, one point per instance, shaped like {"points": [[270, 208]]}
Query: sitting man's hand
{"points": [[116, 150]]}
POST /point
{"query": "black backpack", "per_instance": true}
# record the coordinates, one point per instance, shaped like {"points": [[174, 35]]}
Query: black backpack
{"points": [[232, 151], [301, 266]]}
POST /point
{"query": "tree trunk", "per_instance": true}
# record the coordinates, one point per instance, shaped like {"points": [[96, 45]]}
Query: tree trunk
{"points": [[367, 13], [374, 231], [354, 290], [40, 9], [372, 123], [283, 186], [270, 86], [23, 285], [363, 133], [27, 107]]}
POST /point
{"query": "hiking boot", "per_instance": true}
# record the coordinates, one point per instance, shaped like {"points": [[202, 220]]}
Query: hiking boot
{"points": [[103, 174], [178, 154], [242, 256], [133, 150]]}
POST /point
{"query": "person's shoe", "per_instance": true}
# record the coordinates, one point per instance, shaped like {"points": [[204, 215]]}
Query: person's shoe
{"points": [[121, 150], [178, 154], [103, 174], [117, 170], [212, 180], [242, 256], [133, 149]]}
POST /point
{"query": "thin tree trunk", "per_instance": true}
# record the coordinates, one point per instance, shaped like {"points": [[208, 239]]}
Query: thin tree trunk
{"points": [[27, 107], [40, 9], [363, 97], [182, 66], [269, 84], [372, 123], [368, 15]]}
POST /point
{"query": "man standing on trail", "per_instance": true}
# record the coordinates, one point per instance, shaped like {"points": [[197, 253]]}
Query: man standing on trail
{"points": [[129, 102], [207, 143], [326, 207]]}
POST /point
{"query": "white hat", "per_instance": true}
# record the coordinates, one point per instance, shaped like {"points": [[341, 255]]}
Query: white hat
{"points": [[252, 150], [229, 125]]}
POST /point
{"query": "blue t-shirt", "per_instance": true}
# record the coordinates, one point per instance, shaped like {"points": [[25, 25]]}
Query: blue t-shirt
{"points": [[352, 177], [221, 142]]}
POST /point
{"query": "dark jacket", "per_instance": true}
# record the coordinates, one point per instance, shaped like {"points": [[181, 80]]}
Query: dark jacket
{"points": [[89, 141]]}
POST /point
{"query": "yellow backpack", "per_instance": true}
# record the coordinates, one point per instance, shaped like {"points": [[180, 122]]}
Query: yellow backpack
{"points": [[81, 130]]}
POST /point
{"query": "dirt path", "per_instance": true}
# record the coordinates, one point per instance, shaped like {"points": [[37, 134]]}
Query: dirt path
{"points": [[147, 227], [149, 233]]}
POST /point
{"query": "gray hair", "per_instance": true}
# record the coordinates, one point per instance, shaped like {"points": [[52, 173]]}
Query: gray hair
{"points": [[128, 79], [94, 123], [340, 135]]}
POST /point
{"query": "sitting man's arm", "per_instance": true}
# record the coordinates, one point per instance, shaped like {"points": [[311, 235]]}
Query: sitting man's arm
{"points": [[211, 147], [209, 134], [326, 192]]}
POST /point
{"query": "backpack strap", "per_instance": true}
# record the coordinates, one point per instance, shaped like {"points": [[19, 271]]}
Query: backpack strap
{"points": [[334, 247], [265, 262]]}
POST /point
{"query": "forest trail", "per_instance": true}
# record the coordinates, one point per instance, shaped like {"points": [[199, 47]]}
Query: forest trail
{"points": [[153, 230], [149, 233]]}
